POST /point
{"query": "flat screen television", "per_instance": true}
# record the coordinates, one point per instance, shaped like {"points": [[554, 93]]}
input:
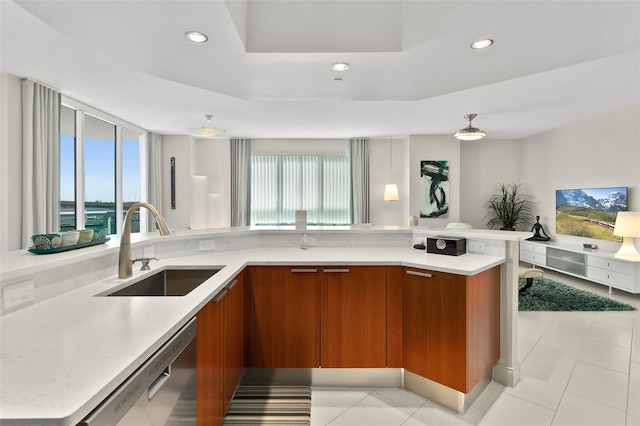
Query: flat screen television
{"points": [[590, 212]]}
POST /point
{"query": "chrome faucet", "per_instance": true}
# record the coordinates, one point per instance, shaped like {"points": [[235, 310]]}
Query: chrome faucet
{"points": [[125, 262]]}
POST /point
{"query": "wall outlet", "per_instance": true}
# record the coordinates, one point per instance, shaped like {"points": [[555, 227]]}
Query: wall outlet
{"points": [[476, 246], [205, 245], [18, 294]]}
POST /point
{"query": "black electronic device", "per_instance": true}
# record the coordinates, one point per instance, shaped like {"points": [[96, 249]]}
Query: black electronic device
{"points": [[447, 245]]}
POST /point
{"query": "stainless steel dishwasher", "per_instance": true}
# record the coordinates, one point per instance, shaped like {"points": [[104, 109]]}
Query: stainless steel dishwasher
{"points": [[161, 392]]}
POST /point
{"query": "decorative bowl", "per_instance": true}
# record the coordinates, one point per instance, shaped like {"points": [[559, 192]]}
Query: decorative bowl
{"points": [[99, 234], [46, 241], [86, 235], [70, 238]]}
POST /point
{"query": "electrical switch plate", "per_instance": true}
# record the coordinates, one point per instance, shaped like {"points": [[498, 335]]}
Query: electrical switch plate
{"points": [[18, 294], [207, 245]]}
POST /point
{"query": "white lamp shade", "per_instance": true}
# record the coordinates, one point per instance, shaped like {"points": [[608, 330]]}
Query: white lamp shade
{"points": [[391, 192], [628, 227], [627, 224]]}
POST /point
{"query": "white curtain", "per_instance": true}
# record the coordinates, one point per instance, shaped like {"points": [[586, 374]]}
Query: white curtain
{"points": [[154, 164], [240, 182], [360, 180], [40, 160], [282, 184]]}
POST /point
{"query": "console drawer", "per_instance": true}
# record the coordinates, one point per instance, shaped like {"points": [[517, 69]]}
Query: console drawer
{"points": [[534, 258], [614, 279], [611, 265]]}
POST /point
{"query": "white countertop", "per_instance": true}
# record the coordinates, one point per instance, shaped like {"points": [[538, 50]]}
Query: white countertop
{"points": [[62, 357]]}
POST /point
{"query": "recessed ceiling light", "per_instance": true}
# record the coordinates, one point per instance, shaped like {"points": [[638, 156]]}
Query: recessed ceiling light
{"points": [[196, 36], [340, 66], [481, 44]]}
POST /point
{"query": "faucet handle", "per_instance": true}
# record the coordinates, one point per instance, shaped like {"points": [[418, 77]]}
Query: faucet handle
{"points": [[145, 262]]}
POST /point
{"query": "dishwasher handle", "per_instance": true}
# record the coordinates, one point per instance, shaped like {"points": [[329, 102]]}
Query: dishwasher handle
{"points": [[159, 383]]}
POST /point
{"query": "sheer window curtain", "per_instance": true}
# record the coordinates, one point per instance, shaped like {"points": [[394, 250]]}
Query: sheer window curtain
{"points": [[40, 160], [240, 182], [154, 165], [360, 180]]}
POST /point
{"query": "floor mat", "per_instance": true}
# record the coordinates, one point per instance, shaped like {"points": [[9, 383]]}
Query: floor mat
{"points": [[270, 405]]}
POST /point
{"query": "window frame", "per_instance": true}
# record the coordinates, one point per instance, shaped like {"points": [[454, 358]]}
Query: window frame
{"points": [[81, 111]]}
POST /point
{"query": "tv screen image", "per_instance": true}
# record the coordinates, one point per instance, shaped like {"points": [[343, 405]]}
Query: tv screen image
{"points": [[590, 212]]}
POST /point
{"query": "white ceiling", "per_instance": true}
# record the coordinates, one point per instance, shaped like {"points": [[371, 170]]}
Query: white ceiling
{"points": [[265, 71]]}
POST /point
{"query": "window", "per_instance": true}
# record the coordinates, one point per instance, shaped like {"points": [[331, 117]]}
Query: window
{"points": [[282, 184], [101, 169]]}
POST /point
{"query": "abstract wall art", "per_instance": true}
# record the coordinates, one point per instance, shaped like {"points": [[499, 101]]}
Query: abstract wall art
{"points": [[434, 190]]}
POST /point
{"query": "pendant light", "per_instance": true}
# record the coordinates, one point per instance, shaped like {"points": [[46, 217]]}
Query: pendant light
{"points": [[207, 130], [469, 133], [391, 189]]}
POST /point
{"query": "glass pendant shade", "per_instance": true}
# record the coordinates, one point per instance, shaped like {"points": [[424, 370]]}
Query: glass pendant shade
{"points": [[391, 192], [469, 133]]}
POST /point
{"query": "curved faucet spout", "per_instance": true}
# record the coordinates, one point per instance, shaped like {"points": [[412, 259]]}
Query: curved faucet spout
{"points": [[125, 269]]}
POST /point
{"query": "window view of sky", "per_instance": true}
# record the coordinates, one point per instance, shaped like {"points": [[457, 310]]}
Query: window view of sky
{"points": [[99, 170]]}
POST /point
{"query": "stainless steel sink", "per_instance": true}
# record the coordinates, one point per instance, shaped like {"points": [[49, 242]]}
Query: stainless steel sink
{"points": [[169, 282]]}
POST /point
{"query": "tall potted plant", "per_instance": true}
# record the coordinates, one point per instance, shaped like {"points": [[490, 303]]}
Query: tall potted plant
{"points": [[508, 207]]}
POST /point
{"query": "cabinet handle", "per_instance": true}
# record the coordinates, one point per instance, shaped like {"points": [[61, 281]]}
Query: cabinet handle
{"points": [[303, 270], [220, 295], [420, 274], [336, 270], [232, 285]]}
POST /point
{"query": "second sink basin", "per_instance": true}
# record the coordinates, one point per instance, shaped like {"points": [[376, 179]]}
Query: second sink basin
{"points": [[169, 282]]}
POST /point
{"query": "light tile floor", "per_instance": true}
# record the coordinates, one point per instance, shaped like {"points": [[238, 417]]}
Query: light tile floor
{"points": [[578, 368]]}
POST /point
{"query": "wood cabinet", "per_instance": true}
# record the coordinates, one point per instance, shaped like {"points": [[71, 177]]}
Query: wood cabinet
{"points": [[209, 364], [452, 326], [233, 339], [286, 317], [354, 317], [219, 351], [395, 316]]}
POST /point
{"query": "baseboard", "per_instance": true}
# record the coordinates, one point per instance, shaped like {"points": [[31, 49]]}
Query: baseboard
{"points": [[505, 375], [342, 377], [366, 377], [443, 395]]}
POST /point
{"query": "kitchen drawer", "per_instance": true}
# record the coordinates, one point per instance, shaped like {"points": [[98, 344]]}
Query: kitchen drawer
{"points": [[534, 258], [533, 248], [611, 265], [614, 279]]}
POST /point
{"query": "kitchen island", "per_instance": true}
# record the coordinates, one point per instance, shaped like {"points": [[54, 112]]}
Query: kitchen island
{"points": [[63, 356]]}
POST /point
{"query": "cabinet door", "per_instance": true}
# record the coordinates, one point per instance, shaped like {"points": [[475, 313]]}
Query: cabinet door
{"points": [[353, 317], [233, 336], [286, 317], [435, 327], [209, 364]]}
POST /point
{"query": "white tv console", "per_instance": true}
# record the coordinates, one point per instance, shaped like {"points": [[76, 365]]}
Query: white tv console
{"points": [[595, 265]]}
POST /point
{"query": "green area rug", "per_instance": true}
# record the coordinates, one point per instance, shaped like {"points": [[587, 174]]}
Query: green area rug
{"points": [[549, 295]]}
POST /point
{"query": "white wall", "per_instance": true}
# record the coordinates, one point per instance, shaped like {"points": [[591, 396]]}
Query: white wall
{"points": [[10, 162], [388, 212], [484, 165], [214, 161], [441, 147], [182, 148], [599, 152]]}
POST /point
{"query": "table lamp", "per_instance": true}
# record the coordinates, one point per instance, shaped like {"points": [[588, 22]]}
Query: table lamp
{"points": [[627, 226]]}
